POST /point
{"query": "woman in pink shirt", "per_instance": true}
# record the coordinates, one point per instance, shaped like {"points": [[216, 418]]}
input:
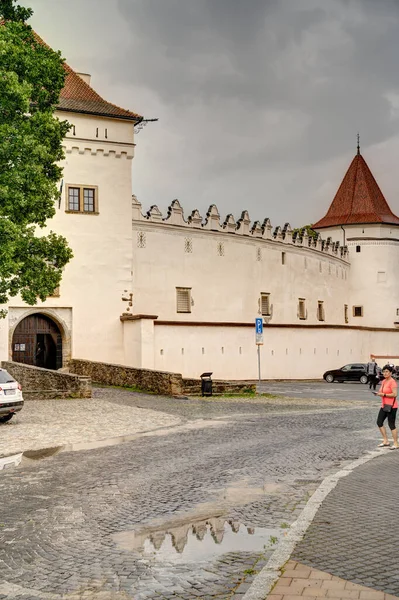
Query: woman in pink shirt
{"points": [[388, 392]]}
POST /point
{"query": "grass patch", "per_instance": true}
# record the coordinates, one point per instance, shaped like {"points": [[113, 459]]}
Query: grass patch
{"points": [[127, 388]]}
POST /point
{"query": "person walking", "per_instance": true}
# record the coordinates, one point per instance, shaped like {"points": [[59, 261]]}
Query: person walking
{"points": [[371, 370], [389, 406]]}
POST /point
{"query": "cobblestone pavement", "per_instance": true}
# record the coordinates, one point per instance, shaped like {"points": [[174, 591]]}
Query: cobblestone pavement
{"points": [[257, 464], [46, 423], [358, 519]]}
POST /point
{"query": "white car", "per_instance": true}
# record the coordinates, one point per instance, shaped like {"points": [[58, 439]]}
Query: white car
{"points": [[11, 400]]}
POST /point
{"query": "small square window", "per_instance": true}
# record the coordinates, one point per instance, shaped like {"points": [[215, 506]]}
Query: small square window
{"points": [[265, 304], [358, 311], [183, 300]]}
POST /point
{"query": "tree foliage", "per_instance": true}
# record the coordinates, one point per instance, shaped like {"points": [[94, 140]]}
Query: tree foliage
{"points": [[310, 231], [31, 79]]}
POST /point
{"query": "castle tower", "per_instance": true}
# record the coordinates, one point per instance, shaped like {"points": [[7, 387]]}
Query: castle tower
{"points": [[94, 213], [360, 217]]}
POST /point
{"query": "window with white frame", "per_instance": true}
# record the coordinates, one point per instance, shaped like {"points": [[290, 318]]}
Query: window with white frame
{"points": [[265, 304], [82, 199], [183, 300]]}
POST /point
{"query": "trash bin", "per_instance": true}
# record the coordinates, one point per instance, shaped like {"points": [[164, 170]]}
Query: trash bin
{"points": [[206, 384]]}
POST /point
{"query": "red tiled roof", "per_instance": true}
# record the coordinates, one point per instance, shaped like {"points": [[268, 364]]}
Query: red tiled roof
{"points": [[79, 96], [358, 200]]}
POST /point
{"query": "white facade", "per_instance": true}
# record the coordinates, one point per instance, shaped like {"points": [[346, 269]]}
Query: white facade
{"points": [[329, 303]]}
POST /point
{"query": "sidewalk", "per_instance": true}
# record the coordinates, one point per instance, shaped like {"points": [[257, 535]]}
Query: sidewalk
{"points": [[351, 548]]}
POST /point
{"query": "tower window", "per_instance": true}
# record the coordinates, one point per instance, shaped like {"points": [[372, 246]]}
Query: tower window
{"points": [[358, 248]]}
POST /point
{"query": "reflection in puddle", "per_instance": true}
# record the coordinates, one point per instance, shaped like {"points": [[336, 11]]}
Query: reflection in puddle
{"points": [[201, 540]]}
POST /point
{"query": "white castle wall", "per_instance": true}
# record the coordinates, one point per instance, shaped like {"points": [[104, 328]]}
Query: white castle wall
{"points": [[228, 265], [287, 353], [95, 279]]}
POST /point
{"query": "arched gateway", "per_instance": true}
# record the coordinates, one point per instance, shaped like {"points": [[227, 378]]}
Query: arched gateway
{"points": [[37, 340]]}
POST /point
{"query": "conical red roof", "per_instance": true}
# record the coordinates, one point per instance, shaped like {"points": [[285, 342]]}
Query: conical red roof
{"points": [[358, 200]]}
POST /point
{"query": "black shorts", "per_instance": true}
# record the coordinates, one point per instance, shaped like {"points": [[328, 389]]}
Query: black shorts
{"points": [[391, 418]]}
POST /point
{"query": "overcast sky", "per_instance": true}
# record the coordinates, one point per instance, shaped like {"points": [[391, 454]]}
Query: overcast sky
{"points": [[259, 101]]}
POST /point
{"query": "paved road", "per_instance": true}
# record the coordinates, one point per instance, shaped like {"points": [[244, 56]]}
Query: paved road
{"points": [[340, 391], [64, 520]]}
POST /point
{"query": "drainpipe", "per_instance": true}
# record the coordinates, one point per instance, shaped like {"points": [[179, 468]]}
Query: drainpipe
{"points": [[344, 234]]}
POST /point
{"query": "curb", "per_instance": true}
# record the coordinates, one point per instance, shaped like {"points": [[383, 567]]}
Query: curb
{"points": [[270, 573]]}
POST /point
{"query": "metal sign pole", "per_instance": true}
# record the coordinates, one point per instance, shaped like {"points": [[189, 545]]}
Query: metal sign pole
{"points": [[259, 341]]}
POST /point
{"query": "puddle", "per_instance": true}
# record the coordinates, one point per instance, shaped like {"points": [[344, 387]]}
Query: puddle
{"points": [[198, 541]]}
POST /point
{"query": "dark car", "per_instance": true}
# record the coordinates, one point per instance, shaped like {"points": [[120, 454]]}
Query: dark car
{"points": [[353, 372]]}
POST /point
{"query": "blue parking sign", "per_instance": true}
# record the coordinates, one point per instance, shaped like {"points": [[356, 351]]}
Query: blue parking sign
{"points": [[259, 326]]}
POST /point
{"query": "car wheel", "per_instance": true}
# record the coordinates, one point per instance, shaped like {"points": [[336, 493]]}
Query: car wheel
{"points": [[329, 378], [364, 379], [6, 418]]}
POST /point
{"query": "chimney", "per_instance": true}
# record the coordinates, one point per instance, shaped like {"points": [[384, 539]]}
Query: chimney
{"points": [[85, 76]]}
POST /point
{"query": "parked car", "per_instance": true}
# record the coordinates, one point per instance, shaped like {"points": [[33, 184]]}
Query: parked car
{"points": [[352, 372], [11, 400]]}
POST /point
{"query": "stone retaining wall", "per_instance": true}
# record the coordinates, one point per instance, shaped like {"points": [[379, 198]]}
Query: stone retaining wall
{"points": [[158, 382], [192, 387], [38, 383]]}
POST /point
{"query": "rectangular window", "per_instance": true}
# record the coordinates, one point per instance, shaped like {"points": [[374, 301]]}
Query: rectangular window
{"points": [[88, 200], [346, 316], [358, 311], [82, 199], [283, 258], [302, 309], [265, 304], [73, 199], [320, 311], [183, 300]]}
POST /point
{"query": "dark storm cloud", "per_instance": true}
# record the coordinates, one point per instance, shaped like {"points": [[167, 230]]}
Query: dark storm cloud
{"points": [[331, 61], [259, 101]]}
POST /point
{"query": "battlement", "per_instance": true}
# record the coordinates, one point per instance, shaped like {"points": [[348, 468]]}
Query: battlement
{"points": [[242, 227]]}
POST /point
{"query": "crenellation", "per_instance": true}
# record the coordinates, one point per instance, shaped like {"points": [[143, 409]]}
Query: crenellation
{"points": [[175, 214], [256, 229], [243, 223], [278, 234], [230, 224], [212, 220], [154, 214], [195, 219], [262, 230]]}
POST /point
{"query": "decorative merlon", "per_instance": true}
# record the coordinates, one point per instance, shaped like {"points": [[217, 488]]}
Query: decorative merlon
{"points": [[212, 222]]}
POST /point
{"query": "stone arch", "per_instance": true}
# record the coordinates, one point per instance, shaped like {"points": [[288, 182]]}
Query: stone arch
{"points": [[55, 323]]}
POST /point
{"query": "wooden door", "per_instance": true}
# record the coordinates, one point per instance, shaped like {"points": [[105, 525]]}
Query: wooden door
{"points": [[37, 341]]}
